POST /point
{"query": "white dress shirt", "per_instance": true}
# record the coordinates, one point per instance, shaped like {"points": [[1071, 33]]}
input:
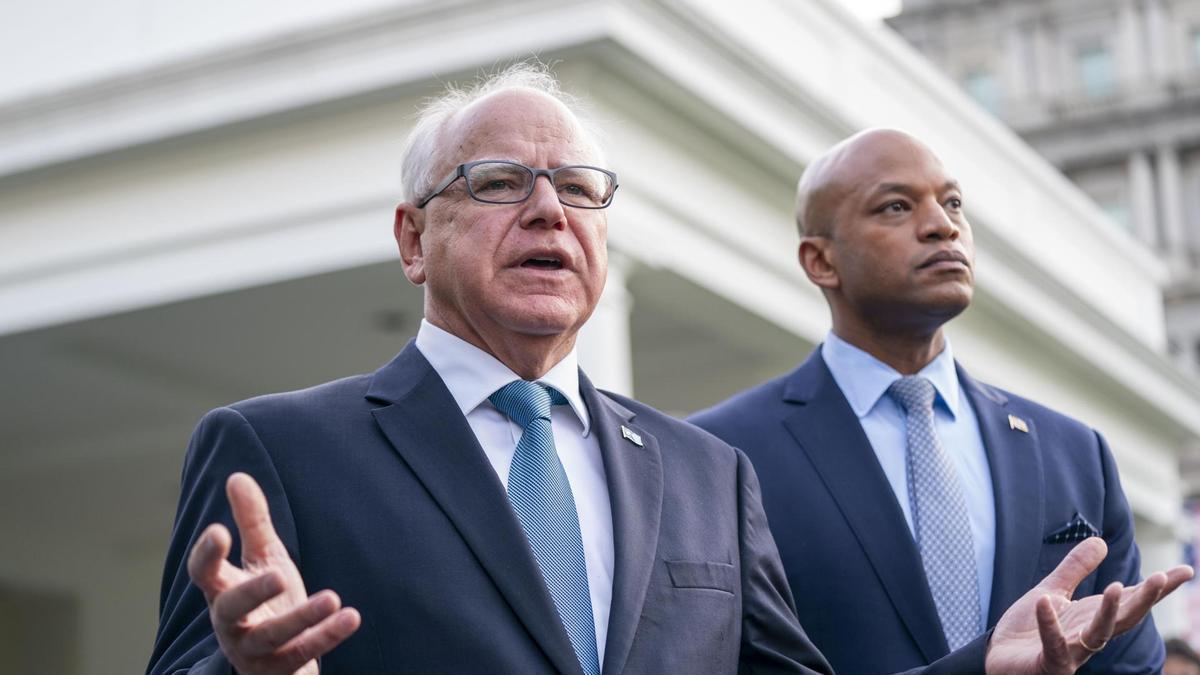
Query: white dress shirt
{"points": [[472, 375], [864, 381]]}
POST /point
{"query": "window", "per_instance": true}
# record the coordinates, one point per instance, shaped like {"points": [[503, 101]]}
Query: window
{"points": [[981, 85], [1095, 65]]}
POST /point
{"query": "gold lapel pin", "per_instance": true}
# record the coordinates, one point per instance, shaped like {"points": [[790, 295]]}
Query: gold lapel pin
{"points": [[1017, 423], [632, 436]]}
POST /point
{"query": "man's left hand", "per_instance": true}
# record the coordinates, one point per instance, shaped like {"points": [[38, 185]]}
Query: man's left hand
{"points": [[1047, 633]]}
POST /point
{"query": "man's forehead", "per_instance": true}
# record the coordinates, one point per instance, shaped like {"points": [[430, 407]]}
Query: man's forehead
{"points": [[514, 122], [885, 160]]}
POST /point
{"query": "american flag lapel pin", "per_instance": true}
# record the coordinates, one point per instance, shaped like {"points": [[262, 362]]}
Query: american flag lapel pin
{"points": [[632, 436]]}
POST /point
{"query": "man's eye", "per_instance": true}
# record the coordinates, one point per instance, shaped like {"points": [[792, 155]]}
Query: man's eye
{"points": [[954, 203], [495, 184], [894, 207]]}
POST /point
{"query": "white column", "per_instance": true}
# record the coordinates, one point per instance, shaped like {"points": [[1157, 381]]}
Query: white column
{"points": [[1170, 201], [1141, 198], [1130, 54], [1158, 42], [605, 350], [1161, 549], [1048, 65], [1017, 68]]}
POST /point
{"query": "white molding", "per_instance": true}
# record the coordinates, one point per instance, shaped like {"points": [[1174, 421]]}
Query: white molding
{"points": [[239, 259], [402, 45]]}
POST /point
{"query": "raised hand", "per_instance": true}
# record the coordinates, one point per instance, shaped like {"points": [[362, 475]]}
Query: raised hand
{"points": [[1046, 633], [262, 616]]}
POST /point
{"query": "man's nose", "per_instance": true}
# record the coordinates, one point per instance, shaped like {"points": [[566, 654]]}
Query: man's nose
{"points": [[936, 223], [543, 209]]}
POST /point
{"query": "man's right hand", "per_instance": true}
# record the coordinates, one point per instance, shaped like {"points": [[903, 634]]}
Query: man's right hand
{"points": [[261, 613]]}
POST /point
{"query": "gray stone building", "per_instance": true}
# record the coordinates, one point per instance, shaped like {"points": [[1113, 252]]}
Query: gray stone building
{"points": [[1108, 91]]}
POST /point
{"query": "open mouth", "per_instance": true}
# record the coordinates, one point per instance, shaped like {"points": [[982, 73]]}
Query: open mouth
{"points": [[543, 263]]}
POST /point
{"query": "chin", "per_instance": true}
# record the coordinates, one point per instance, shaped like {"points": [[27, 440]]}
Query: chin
{"points": [[951, 305], [541, 320]]}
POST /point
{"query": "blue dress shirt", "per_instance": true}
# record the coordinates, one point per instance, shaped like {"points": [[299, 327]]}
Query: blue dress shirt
{"points": [[864, 381]]}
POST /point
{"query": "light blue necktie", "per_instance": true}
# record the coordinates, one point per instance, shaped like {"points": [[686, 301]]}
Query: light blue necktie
{"points": [[542, 499], [941, 523]]}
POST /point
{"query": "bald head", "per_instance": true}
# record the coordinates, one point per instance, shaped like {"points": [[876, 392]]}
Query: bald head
{"points": [[846, 169], [886, 240]]}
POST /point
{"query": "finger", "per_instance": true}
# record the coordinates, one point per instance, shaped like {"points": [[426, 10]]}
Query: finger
{"points": [[1100, 631], [230, 607], [1137, 603], [1074, 568], [320, 639], [1176, 576], [207, 565], [1055, 652], [253, 518], [272, 634]]}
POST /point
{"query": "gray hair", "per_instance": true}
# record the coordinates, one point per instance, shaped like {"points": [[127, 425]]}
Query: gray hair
{"points": [[420, 155]]}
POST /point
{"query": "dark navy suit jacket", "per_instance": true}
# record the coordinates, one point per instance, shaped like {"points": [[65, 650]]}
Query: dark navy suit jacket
{"points": [[380, 491], [849, 555]]}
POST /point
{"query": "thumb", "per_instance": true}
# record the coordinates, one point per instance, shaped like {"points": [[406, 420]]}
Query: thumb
{"points": [[1080, 562]]}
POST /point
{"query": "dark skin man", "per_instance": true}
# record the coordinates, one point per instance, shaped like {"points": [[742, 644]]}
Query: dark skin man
{"points": [[885, 238]]}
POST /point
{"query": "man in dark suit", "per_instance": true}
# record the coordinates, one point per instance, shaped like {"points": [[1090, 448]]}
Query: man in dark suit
{"points": [[477, 501], [430, 496], [911, 503]]}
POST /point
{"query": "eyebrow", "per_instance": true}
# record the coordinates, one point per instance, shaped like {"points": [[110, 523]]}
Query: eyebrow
{"points": [[906, 189]]}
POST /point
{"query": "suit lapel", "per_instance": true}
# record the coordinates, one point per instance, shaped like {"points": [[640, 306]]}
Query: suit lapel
{"points": [[1015, 460], [830, 434], [432, 437], [635, 490]]}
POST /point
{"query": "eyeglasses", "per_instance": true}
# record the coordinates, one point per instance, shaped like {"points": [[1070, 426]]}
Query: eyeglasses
{"points": [[496, 182]]}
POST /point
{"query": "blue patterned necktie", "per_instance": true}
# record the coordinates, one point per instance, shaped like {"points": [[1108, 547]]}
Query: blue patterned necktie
{"points": [[941, 524], [541, 497]]}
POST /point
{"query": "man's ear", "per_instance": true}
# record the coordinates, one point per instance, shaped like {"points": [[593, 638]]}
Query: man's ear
{"points": [[817, 260], [408, 228]]}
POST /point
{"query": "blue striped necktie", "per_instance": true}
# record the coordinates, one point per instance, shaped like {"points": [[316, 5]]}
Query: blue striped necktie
{"points": [[941, 523], [541, 497]]}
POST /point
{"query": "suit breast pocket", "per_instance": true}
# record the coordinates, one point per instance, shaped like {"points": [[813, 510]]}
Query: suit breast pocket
{"points": [[713, 576]]}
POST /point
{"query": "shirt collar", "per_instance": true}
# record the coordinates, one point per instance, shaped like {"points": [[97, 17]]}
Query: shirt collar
{"points": [[472, 375], [864, 379]]}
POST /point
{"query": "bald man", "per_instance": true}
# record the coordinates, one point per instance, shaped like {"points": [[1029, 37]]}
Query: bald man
{"points": [[912, 505]]}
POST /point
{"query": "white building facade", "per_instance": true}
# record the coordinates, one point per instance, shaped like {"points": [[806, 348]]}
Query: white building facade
{"points": [[197, 207]]}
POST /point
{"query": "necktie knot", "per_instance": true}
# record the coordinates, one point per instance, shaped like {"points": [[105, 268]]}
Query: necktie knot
{"points": [[523, 402], [914, 393]]}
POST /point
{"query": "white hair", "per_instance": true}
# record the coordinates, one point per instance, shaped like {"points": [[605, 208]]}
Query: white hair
{"points": [[420, 155]]}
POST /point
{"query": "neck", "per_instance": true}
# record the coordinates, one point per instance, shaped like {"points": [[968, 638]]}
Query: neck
{"points": [[529, 356], [905, 351]]}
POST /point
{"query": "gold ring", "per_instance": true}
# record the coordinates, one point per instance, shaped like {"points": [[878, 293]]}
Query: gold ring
{"points": [[1088, 647]]}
